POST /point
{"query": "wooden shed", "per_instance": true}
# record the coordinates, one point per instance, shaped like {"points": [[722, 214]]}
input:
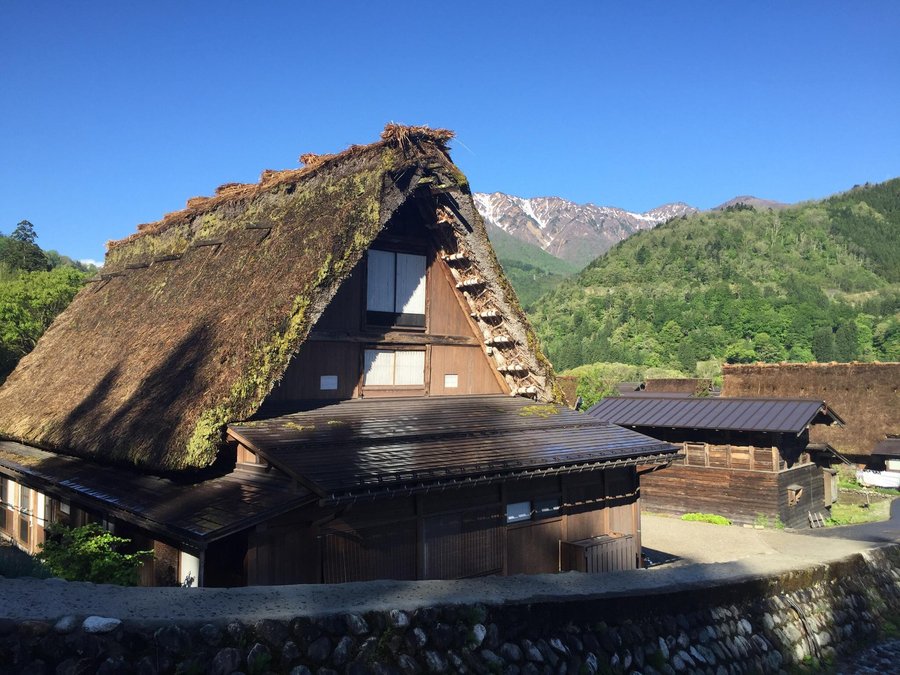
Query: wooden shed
{"points": [[744, 458], [324, 376]]}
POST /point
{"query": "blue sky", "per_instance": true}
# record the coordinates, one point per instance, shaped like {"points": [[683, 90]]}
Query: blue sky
{"points": [[114, 113]]}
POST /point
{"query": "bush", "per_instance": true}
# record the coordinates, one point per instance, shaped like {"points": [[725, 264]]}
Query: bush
{"points": [[90, 553], [16, 563], [710, 518]]}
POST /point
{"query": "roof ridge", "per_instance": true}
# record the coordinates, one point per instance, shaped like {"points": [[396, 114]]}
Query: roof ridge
{"points": [[393, 135]]}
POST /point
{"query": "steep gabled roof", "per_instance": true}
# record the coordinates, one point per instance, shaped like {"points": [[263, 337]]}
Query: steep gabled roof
{"points": [[772, 415], [195, 318]]}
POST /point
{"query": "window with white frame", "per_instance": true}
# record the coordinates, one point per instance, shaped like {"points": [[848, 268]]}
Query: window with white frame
{"points": [[395, 289], [394, 368]]}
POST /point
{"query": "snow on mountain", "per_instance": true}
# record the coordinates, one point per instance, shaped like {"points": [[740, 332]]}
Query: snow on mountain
{"points": [[574, 232]]}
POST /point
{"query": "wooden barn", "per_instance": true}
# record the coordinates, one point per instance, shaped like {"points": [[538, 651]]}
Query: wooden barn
{"points": [[743, 458], [322, 377]]}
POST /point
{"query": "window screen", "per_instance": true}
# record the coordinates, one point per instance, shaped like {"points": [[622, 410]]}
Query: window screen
{"points": [[395, 289], [394, 368]]}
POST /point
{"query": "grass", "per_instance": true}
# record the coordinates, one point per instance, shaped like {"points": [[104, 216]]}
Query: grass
{"points": [[762, 520], [854, 514], [711, 518]]}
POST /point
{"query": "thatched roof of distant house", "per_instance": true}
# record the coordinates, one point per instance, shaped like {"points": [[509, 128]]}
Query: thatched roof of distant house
{"points": [[195, 317], [866, 394]]}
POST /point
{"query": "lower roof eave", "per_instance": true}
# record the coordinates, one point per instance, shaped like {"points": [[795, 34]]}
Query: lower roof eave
{"points": [[456, 482], [185, 539]]}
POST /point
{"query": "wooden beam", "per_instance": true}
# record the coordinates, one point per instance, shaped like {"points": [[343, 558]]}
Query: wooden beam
{"points": [[392, 338]]}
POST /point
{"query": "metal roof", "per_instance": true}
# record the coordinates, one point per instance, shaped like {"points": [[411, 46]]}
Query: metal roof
{"points": [[889, 447], [366, 448], [734, 414], [194, 513]]}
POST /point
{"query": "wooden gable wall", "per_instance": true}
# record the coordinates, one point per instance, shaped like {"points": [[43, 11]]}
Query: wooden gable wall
{"points": [[453, 347]]}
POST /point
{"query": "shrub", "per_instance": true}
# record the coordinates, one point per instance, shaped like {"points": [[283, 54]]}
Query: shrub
{"points": [[710, 518], [90, 553], [16, 563]]}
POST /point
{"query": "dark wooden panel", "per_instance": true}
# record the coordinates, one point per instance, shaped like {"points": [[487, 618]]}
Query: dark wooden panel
{"points": [[379, 552], [345, 309], [739, 495], [599, 554], [455, 500], [475, 375], [301, 380], [533, 548], [465, 544], [812, 497], [448, 315], [282, 554]]}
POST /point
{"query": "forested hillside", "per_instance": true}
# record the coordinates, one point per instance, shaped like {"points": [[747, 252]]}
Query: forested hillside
{"points": [[35, 286], [817, 281], [531, 270]]}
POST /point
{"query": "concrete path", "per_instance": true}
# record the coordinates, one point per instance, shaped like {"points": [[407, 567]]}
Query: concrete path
{"points": [[672, 541]]}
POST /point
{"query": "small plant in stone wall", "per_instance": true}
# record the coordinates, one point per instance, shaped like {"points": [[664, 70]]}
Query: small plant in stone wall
{"points": [[90, 553]]}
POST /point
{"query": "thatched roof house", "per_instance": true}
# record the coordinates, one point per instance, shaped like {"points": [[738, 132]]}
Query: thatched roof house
{"points": [[867, 395], [195, 317], [282, 351]]}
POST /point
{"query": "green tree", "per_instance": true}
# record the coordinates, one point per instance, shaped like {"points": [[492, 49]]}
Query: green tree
{"points": [[740, 352], [29, 304], [24, 232], [90, 553], [19, 252], [846, 342], [823, 344]]}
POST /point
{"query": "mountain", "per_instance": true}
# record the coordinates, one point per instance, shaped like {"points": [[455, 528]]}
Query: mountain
{"points": [[749, 200], [531, 270], [815, 281], [577, 233]]}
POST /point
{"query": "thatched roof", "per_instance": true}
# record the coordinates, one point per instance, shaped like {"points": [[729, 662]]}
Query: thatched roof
{"points": [[866, 394], [195, 318]]}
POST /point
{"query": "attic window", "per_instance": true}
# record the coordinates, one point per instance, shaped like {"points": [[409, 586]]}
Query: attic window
{"points": [[395, 289], [394, 368]]}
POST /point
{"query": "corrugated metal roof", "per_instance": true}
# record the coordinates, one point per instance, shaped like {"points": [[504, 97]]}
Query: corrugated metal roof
{"points": [[368, 447], [195, 513], [735, 414], [889, 447]]}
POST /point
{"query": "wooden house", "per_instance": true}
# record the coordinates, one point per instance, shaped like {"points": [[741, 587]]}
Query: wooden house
{"points": [[321, 377], [744, 458]]}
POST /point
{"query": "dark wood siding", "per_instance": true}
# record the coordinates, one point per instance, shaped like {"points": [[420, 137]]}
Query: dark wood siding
{"points": [[445, 535], [385, 551], [736, 494], [344, 312], [470, 365], [533, 548], [283, 551], [812, 498], [464, 544], [301, 380], [447, 315]]}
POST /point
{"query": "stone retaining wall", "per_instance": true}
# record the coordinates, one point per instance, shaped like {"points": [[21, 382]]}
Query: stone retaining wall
{"points": [[786, 623]]}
